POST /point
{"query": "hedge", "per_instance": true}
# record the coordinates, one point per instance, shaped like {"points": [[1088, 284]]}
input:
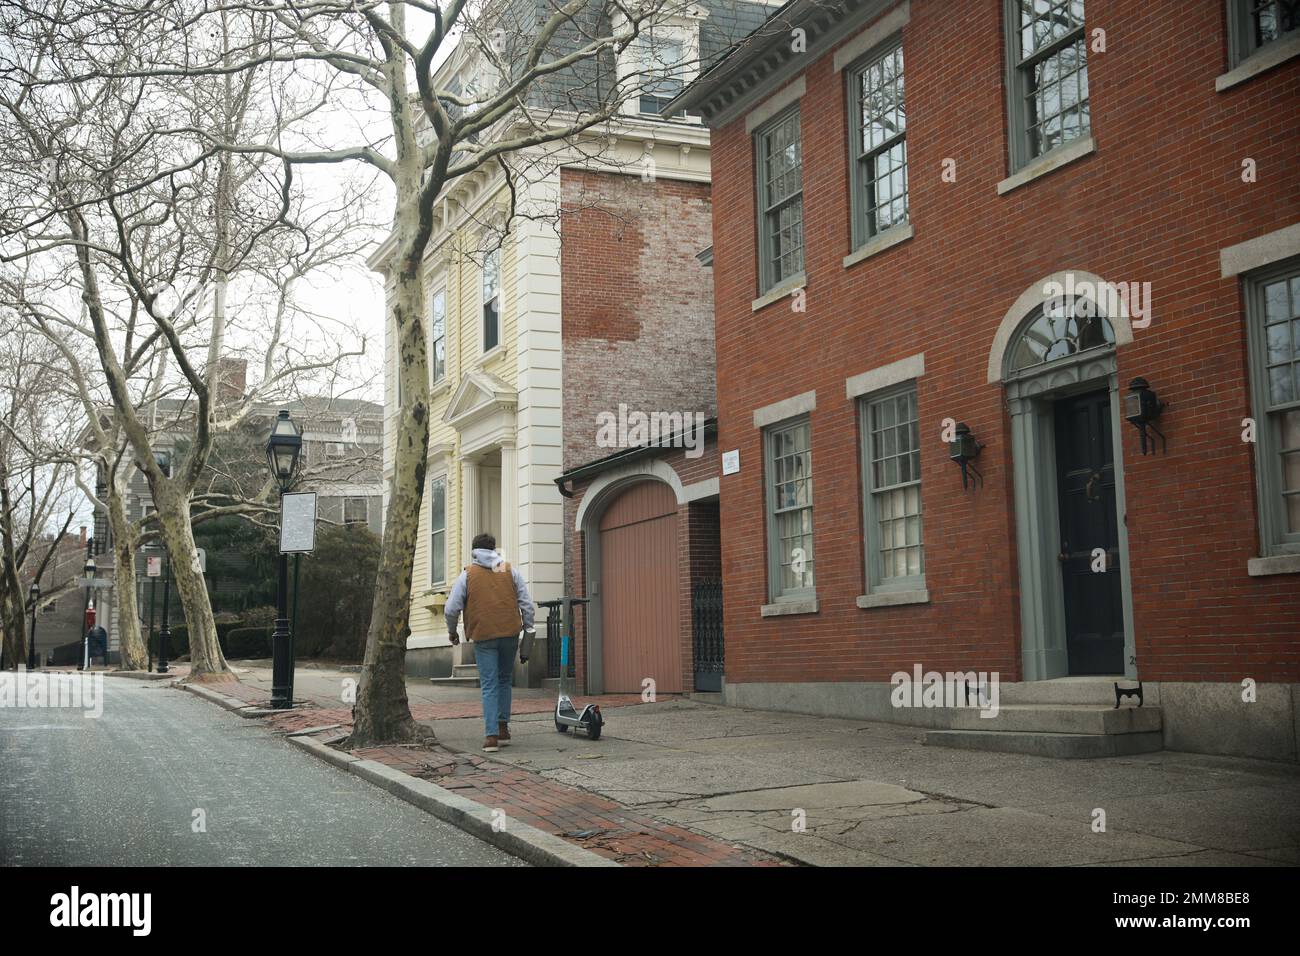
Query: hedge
{"points": [[249, 642]]}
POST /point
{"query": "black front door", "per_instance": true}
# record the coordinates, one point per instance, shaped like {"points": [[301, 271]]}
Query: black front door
{"points": [[1085, 481]]}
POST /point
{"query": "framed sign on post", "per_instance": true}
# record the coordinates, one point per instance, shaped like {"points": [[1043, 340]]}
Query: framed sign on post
{"points": [[153, 567], [298, 522]]}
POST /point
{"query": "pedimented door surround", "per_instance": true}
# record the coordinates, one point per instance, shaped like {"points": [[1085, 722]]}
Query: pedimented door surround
{"points": [[1031, 395]]}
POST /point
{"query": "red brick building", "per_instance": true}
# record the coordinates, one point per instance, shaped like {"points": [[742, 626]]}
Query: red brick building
{"points": [[1062, 198], [640, 475]]}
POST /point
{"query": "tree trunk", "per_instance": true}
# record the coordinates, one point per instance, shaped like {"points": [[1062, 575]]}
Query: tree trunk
{"points": [[382, 713], [13, 617], [207, 663], [14, 625], [130, 644]]}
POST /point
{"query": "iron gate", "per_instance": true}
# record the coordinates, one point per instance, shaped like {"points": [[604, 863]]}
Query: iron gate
{"points": [[706, 617], [554, 625]]}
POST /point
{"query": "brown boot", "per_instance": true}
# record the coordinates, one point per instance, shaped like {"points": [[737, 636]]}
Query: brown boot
{"points": [[503, 733], [490, 745]]}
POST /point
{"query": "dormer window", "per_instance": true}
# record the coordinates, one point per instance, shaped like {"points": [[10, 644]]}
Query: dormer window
{"points": [[660, 55], [660, 61]]}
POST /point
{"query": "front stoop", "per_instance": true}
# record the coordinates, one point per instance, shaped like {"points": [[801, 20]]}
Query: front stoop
{"points": [[462, 675], [1067, 718], [1065, 746]]}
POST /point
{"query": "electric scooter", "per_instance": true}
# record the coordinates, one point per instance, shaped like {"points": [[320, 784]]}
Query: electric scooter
{"points": [[589, 719]]}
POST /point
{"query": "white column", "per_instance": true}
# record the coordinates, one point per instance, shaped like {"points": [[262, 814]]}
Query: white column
{"points": [[468, 507], [509, 543], [463, 654]]}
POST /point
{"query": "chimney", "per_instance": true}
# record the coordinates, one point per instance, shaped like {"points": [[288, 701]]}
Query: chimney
{"points": [[232, 380], [83, 537]]}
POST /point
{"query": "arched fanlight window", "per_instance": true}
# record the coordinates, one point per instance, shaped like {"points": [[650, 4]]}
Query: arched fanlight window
{"points": [[1058, 329]]}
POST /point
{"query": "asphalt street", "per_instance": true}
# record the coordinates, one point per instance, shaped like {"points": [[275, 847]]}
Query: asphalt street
{"points": [[163, 778]]}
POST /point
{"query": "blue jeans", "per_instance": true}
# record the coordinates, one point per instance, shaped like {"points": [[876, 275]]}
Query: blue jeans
{"points": [[496, 670]]}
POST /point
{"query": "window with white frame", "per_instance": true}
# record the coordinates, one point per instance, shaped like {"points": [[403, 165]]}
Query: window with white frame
{"points": [[356, 510], [1254, 24], [438, 336], [660, 55], [438, 530], [1273, 317], [879, 143], [779, 153], [1046, 57], [789, 509], [492, 300], [891, 458]]}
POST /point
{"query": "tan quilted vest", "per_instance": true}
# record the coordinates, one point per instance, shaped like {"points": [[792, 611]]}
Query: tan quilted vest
{"points": [[491, 606]]}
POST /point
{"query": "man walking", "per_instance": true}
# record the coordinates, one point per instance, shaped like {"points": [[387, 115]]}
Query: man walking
{"points": [[495, 600]]}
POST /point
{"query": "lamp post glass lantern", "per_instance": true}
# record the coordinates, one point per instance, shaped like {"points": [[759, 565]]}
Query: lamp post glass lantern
{"points": [[282, 450], [31, 653]]}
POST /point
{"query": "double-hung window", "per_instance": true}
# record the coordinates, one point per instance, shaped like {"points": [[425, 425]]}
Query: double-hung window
{"points": [[879, 147], [492, 300], [438, 530], [1273, 316], [1046, 55], [438, 336], [1254, 24], [661, 55], [891, 458], [789, 510], [356, 511], [779, 152]]}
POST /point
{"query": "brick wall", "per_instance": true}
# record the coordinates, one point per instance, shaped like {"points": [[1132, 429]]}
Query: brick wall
{"points": [[1156, 202], [638, 305]]}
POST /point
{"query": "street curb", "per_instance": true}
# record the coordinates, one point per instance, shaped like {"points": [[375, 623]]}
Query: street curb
{"points": [[140, 675], [524, 841], [221, 700]]}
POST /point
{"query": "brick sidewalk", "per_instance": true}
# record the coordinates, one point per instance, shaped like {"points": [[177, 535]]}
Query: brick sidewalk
{"points": [[586, 819]]}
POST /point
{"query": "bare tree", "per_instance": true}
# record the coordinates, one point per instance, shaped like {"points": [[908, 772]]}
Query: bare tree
{"points": [[180, 255], [35, 487], [546, 78]]}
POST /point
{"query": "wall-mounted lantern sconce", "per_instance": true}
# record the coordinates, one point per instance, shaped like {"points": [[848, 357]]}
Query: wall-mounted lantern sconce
{"points": [[1142, 407], [964, 449]]}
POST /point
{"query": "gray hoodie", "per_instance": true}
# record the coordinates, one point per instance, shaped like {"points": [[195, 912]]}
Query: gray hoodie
{"points": [[459, 590]]}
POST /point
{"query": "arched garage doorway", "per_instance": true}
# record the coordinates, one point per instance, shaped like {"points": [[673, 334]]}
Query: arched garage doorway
{"points": [[636, 617]]}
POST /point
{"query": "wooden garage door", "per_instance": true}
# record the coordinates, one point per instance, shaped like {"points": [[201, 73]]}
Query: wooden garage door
{"points": [[639, 590]]}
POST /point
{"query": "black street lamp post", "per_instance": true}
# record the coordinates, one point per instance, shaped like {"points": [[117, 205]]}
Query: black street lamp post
{"points": [[164, 632], [153, 596], [31, 651], [89, 571], [282, 450], [164, 461]]}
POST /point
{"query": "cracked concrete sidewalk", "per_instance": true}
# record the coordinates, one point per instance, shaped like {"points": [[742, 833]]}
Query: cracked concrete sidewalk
{"points": [[873, 795]]}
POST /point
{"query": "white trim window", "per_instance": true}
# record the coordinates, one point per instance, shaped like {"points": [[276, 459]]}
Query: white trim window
{"points": [[1048, 83], [1255, 24], [659, 53], [891, 459], [491, 289], [356, 511], [789, 509], [879, 147], [1273, 318], [779, 165], [659, 62], [438, 530], [438, 336]]}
